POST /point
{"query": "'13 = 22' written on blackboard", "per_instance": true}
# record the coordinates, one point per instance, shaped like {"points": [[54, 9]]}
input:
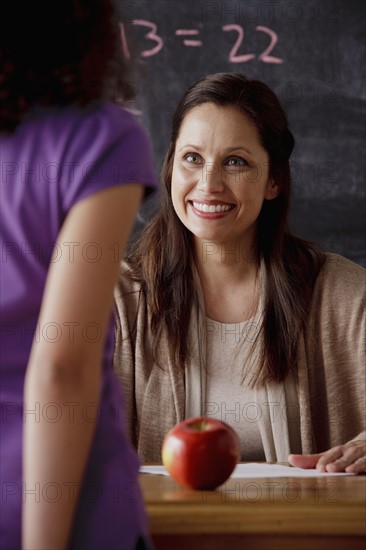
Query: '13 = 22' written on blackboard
{"points": [[190, 38]]}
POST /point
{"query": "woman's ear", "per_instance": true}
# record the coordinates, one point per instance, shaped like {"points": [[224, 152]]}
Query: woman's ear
{"points": [[272, 190]]}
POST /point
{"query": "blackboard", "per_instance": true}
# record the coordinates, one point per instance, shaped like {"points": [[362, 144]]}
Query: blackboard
{"points": [[311, 53]]}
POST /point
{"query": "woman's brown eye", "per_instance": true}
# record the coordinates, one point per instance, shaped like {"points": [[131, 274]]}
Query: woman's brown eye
{"points": [[191, 157], [236, 161]]}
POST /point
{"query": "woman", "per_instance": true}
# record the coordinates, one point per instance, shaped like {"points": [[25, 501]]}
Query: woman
{"points": [[223, 312], [74, 164]]}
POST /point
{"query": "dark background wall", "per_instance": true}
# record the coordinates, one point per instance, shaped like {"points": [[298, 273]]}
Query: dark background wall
{"points": [[312, 54]]}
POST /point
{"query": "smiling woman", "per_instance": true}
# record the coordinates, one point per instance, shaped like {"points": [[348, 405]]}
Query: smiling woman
{"points": [[223, 312], [219, 185]]}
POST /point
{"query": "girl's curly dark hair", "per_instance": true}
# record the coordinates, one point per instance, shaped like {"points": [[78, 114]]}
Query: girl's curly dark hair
{"points": [[59, 52]]}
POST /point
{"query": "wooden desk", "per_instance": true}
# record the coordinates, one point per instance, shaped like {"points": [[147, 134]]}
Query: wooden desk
{"points": [[258, 514]]}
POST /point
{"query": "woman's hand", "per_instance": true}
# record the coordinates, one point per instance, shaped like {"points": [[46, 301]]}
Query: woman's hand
{"points": [[350, 458]]}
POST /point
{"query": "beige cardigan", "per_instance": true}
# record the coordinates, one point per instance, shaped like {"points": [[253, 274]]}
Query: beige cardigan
{"points": [[330, 379]]}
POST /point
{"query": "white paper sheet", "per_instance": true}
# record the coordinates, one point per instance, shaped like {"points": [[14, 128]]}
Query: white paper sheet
{"points": [[254, 469]]}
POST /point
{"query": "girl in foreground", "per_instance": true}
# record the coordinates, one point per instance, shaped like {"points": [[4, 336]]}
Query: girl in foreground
{"points": [[73, 167]]}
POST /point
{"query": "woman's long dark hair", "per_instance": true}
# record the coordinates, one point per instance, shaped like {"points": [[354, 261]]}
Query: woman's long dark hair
{"points": [[162, 255], [60, 52]]}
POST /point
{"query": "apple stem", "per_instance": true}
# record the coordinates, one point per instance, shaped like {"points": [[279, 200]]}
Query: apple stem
{"points": [[200, 426]]}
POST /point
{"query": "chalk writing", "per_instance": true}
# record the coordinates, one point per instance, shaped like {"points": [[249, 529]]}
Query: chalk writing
{"points": [[189, 32], [152, 36], [233, 55], [274, 39]]}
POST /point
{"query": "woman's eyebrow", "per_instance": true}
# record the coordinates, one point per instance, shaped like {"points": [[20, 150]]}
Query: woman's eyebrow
{"points": [[237, 148], [226, 150], [191, 145]]}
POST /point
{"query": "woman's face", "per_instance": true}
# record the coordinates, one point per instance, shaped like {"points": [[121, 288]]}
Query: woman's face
{"points": [[220, 175]]}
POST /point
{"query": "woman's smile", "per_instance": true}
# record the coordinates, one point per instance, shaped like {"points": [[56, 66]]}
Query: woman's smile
{"points": [[211, 209]]}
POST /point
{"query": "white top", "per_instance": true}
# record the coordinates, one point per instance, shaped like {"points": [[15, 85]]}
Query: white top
{"points": [[227, 398]]}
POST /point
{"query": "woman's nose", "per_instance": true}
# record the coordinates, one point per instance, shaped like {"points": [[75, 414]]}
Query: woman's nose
{"points": [[212, 178]]}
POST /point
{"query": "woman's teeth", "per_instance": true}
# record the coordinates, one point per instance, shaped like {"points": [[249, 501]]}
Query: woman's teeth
{"points": [[203, 207]]}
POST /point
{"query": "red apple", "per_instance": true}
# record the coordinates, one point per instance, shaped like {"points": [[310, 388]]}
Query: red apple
{"points": [[201, 453]]}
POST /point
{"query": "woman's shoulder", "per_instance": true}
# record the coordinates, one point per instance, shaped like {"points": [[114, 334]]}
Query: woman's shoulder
{"points": [[130, 301], [341, 272], [128, 292], [127, 283], [340, 285]]}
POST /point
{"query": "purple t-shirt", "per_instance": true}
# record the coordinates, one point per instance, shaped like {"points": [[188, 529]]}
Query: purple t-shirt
{"points": [[53, 160]]}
